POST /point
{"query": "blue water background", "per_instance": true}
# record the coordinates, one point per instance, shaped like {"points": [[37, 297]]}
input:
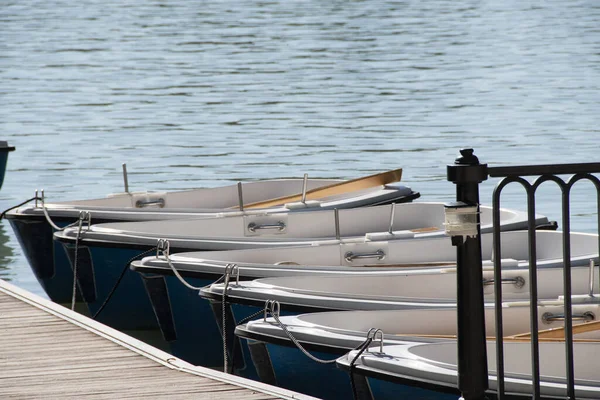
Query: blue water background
{"points": [[207, 93]]}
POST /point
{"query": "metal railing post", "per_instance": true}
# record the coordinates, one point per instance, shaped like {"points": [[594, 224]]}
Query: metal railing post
{"points": [[467, 173]]}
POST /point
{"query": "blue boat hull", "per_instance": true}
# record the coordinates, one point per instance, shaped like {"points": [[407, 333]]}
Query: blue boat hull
{"points": [[47, 259], [186, 320], [293, 370], [3, 162], [104, 271], [384, 390], [193, 325]]}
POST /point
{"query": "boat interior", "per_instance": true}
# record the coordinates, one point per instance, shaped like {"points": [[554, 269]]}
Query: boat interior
{"points": [[427, 285], [408, 254], [215, 198], [440, 324], [376, 223]]}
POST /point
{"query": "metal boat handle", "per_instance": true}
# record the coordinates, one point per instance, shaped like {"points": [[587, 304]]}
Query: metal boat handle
{"points": [[372, 334], [144, 203], [163, 247], [271, 307], [519, 282], [350, 256], [586, 316], [232, 270], [280, 225]]}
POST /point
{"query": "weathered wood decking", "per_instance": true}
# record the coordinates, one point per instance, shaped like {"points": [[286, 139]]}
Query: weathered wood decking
{"points": [[48, 351]]}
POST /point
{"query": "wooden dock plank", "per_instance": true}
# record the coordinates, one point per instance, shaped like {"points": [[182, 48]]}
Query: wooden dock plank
{"points": [[51, 352]]}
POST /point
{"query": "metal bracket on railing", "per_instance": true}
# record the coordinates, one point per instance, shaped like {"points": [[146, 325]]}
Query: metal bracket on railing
{"points": [[40, 195], [351, 256], [162, 247], [232, 270], [372, 334], [271, 307], [518, 281], [84, 216], [550, 317], [146, 203], [279, 225]]}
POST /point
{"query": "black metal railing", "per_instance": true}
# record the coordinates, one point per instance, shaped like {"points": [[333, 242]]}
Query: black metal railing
{"points": [[470, 365]]}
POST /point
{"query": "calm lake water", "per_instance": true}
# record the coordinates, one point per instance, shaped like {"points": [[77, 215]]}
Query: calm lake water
{"points": [[206, 93]]}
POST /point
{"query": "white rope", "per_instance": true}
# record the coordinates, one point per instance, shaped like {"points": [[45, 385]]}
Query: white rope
{"points": [[270, 308], [52, 224], [165, 254], [82, 215], [75, 265], [163, 249], [223, 323], [229, 270], [168, 259]]}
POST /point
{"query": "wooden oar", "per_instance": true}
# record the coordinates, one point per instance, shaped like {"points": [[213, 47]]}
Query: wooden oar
{"points": [[331, 190]]}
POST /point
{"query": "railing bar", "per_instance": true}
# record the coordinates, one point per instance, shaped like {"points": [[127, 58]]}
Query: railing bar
{"points": [[567, 291], [535, 349], [555, 169], [498, 292]]}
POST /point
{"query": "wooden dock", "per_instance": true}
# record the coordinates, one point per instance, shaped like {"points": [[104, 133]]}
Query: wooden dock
{"points": [[48, 351]]}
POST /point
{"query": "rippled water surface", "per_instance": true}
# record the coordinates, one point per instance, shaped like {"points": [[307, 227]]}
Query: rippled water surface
{"points": [[198, 94]]}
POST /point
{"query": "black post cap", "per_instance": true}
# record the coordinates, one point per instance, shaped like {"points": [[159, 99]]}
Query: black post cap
{"points": [[467, 168], [467, 158]]}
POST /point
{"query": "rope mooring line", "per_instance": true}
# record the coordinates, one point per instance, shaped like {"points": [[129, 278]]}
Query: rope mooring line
{"points": [[223, 326], [250, 317], [297, 343], [44, 211], [123, 271], [18, 205], [163, 249], [361, 349], [272, 307], [229, 271], [181, 279], [75, 262], [49, 220]]}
